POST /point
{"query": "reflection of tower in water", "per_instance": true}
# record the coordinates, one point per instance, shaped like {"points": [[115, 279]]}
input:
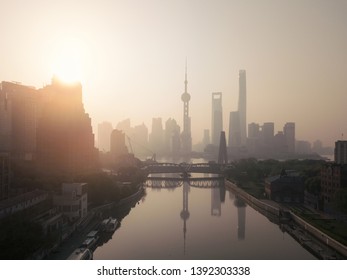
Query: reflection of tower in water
{"points": [[185, 212], [241, 218], [216, 205]]}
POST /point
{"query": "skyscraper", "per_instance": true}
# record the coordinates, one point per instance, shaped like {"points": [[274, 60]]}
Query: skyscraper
{"points": [[117, 143], [186, 137], [19, 112], [206, 139], [65, 140], [289, 134], [234, 130], [104, 136], [242, 107], [172, 139], [217, 117], [156, 138]]}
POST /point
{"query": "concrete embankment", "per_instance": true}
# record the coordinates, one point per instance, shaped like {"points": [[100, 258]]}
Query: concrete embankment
{"points": [[272, 210], [323, 237]]}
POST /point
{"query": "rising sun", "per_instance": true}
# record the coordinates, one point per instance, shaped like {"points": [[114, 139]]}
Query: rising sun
{"points": [[68, 63]]}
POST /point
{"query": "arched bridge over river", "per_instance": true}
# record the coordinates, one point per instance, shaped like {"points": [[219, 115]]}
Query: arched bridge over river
{"points": [[171, 182], [186, 168], [181, 173]]}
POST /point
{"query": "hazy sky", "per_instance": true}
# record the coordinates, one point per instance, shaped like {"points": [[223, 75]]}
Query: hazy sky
{"points": [[132, 56]]}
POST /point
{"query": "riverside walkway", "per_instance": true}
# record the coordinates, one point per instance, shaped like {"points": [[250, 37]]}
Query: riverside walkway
{"points": [[317, 242]]}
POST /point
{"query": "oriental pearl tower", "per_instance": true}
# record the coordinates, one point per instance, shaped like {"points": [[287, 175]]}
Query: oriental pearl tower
{"points": [[186, 138]]}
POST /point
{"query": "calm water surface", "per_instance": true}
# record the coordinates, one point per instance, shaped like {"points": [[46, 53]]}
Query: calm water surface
{"points": [[195, 223]]}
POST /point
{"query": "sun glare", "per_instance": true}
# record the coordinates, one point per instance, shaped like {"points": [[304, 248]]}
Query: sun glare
{"points": [[68, 62]]}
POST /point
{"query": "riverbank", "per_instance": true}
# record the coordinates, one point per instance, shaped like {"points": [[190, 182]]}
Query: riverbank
{"points": [[314, 240], [92, 221]]}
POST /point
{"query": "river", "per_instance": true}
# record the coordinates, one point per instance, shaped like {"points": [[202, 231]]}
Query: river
{"points": [[187, 222]]}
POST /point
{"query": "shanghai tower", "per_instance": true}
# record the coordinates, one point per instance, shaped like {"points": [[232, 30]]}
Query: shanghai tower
{"points": [[242, 107]]}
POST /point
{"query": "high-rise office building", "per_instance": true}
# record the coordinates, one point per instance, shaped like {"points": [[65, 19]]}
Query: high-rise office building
{"points": [[117, 141], [125, 126], [206, 139], [253, 139], [242, 107], [268, 132], [340, 152], [223, 153], [19, 111], [156, 138], [253, 130], [289, 134], [234, 130], [104, 136], [65, 140], [186, 133], [172, 137], [217, 117], [139, 138]]}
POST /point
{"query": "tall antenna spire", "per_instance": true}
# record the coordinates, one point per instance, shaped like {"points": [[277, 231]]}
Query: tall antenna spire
{"points": [[185, 81]]}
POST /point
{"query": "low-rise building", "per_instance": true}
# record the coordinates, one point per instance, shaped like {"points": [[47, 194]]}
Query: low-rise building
{"points": [[21, 202], [333, 179], [73, 201], [286, 187]]}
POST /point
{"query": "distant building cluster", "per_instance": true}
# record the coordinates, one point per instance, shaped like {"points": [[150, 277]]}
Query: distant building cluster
{"points": [[262, 142], [164, 139], [243, 139]]}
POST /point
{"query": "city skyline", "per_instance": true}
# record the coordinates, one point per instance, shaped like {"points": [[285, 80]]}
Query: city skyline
{"points": [[294, 55]]}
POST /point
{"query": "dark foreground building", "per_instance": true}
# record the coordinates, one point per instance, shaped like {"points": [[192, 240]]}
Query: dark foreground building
{"points": [[65, 140], [286, 187]]}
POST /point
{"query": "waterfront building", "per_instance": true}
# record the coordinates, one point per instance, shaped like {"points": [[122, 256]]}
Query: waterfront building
{"points": [[73, 201], [287, 187], [217, 117]]}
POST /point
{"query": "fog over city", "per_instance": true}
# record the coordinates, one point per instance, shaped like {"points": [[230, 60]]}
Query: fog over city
{"points": [[130, 57]]}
